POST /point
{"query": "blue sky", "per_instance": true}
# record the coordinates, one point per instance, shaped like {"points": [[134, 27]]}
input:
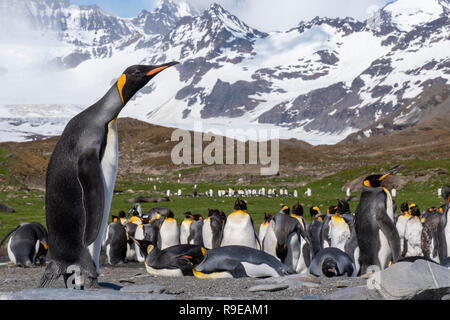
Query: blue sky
{"points": [[266, 15], [122, 8]]}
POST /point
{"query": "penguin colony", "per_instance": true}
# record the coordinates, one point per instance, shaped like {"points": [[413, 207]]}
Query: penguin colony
{"points": [[286, 243], [79, 187]]}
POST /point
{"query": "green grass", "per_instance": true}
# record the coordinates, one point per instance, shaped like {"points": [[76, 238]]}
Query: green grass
{"points": [[324, 194]]}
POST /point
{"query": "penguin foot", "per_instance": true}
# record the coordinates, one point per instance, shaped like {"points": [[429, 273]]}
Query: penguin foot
{"points": [[92, 284]]}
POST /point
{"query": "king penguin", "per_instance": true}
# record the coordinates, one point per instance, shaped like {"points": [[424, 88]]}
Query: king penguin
{"points": [[80, 180], [315, 230], [212, 230], [27, 244], [377, 235], [402, 219], [413, 232], [264, 226], [115, 242], [239, 228], [185, 227]]}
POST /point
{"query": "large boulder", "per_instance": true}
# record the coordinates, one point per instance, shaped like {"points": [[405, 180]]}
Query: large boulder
{"points": [[421, 280]]}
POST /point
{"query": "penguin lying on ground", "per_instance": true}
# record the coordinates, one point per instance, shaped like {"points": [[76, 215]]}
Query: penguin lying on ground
{"points": [[239, 262], [27, 244], [378, 238], [332, 262], [80, 180], [239, 228], [175, 261], [212, 230]]}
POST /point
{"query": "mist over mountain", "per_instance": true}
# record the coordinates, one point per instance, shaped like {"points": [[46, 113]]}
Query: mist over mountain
{"points": [[318, 81]]}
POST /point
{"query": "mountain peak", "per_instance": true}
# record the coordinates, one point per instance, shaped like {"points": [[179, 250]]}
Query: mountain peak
{"points": [[179, 9], [405, 15]]}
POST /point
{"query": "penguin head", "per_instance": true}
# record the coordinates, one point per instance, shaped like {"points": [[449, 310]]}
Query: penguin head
{"points": [[314, 211], [332, 210], [375, 180], [415, 211], [343, 206], [285, 209], [446, 193], [267, 217], [135, 77], [240, 205], [329, 268], [298, 210], [404, 207]]}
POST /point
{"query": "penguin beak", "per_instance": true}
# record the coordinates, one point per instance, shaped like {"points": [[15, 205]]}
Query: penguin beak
{"points": [[393, 170], [158, 69]]}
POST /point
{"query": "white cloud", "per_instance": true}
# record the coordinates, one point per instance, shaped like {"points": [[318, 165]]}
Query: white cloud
{"points": [[270, 15]]}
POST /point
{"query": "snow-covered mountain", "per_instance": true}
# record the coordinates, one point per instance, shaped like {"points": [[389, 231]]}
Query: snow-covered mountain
{"points": [[318, 81]]}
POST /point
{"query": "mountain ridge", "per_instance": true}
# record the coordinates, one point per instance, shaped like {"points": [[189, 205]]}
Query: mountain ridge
{"points": [[315, 82]]}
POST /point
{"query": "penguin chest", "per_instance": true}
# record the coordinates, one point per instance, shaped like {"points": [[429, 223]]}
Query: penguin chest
{"points": [[401, 225], [11, 255], [269, 242], [447, 232], [339, 232], [413, 232], [263, 231], [239, 230], [170, 234], [262, 270], [207, 233], [110, 161], [185, 231]]}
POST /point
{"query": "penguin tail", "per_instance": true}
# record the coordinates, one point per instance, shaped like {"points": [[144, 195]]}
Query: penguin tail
{"points": [[7, 236], [52, 272]]}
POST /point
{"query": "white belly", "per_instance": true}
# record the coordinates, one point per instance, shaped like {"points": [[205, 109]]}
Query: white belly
{"points": [[170, 234], [401, 226], [262, 231], [11, 255], [339, 234], [413, 232], [164, 272], [269, 242], [259, 270], [239, 231], [207, 233], [184, 232], [293, 253], [109, 165], [385, 250], [447, 232]]}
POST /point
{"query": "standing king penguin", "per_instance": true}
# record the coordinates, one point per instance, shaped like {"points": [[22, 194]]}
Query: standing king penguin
{"points": [[377, 235], [80, 180]]}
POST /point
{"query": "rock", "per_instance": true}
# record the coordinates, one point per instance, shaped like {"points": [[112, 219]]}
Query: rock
{"points": [[6, 208], [311, 298], [352, 293], [269, 287], [71, 294], [142, 199], [164, 199], [405, 280], [145, 288]]}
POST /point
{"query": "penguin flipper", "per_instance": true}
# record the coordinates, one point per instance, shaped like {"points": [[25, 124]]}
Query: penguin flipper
{"points": [[91, 182], [388, 228]]}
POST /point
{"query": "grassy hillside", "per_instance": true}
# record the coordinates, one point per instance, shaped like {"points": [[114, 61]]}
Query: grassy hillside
{"points": [[426, 177]]}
